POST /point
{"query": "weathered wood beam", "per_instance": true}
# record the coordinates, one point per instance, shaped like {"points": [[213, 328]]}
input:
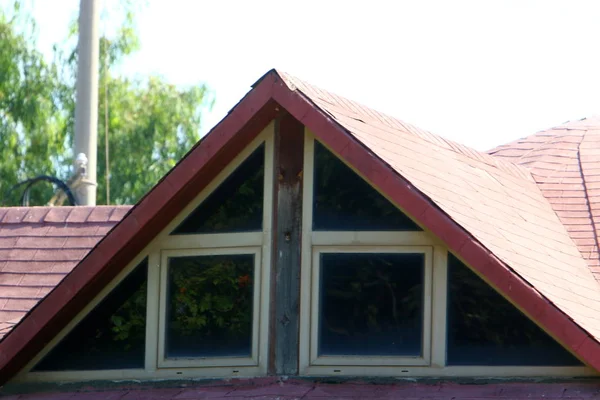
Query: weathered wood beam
{"points": [[287, 234]]}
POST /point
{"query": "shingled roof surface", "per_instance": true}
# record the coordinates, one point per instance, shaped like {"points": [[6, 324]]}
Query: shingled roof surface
{"points": [[39, 246], [565, 163], [497, 202]]}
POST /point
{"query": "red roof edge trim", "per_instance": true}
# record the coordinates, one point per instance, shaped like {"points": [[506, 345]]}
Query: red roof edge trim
{"points": [[458, 240], [139, 226]]}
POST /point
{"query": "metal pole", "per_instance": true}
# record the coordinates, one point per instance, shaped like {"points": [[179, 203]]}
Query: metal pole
{"points": [[86, 106]]}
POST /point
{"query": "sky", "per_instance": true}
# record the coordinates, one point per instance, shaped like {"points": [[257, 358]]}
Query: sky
{"points": [[482, 73]]}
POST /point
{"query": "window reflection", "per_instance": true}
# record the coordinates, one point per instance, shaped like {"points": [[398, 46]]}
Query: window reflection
{"points": [[343, 201], [210, 305], [485, 329], [371, 304]]}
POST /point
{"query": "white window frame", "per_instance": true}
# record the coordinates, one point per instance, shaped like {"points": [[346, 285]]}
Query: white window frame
{"points": [[225, 361], [423, 359]]}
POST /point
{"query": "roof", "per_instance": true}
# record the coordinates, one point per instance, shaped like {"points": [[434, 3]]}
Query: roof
{"points": [[565, 163], [39, 246], [488, 211], [274, 389]]}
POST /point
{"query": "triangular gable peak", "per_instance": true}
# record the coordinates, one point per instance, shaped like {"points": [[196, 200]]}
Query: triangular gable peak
{"points": [[402, 166]]}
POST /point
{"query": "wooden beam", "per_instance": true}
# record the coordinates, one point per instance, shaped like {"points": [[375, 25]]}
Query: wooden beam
{"points": [[287, 234]]}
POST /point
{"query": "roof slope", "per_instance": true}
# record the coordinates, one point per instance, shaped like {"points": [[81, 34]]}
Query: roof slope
{"points": [[39, 246], [498, 203], [565, 162]]}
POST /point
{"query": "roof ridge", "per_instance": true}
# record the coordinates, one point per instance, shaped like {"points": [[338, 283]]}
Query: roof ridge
{"points": [[568, 125], [595, 225], [296, 84], [498, 148]]}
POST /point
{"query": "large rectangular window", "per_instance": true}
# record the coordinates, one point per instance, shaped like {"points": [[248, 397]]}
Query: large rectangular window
{"points": [[210, 307], [371, 305]]}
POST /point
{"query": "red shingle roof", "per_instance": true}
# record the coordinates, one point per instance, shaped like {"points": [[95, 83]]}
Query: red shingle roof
{"points": [[488, 211], [565, 163], [39, 246]]}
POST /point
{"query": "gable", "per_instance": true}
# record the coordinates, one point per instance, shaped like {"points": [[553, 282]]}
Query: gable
{"points": [[186, 294], [422, 200]]}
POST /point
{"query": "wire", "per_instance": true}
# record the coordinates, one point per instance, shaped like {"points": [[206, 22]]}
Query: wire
{"points": [[41, 178]]}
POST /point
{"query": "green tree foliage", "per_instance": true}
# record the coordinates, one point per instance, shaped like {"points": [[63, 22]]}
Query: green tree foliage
{"points": [[151, 123], [32, 109]]}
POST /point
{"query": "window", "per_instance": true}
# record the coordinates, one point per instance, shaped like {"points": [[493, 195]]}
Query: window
{"points": [[213, 303], [111, 336], [209, 307], [197, 305], [343, 201], [382, 297], [370, 305], [485, 329], [236, 205], [366, 275]]}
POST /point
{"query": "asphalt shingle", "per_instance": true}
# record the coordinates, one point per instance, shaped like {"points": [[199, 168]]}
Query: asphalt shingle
{"points": [[39, 246]]}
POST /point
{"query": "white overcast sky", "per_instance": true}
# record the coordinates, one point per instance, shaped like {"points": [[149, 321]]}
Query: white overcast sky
{"points": [[479, 72]]}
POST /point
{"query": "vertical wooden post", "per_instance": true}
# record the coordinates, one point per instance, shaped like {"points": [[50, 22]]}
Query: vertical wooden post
{"points": [[287, 234]]}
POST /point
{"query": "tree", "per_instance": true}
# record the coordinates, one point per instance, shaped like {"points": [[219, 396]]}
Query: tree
{"points": [[32, 112], [151, 123]]}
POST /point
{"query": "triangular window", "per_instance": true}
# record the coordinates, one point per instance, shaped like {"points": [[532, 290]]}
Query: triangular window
{"points": [[111, 336], [485, 329], [343, 201], [236, 205]]}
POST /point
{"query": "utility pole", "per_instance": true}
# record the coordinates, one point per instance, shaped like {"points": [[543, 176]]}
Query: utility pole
{"points": [[86, 106]]}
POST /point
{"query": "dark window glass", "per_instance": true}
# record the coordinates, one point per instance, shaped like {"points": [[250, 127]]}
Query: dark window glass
{"points": [[236, 205], [209, 309], [485, 329], [343, 201], [371, 304], [111, 336]]}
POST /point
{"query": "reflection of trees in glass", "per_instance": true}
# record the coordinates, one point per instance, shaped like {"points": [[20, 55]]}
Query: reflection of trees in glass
{"points": [[371, 297], [485, 329], [210, 303], [111, 336], [344, 201], [236, 205]]}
